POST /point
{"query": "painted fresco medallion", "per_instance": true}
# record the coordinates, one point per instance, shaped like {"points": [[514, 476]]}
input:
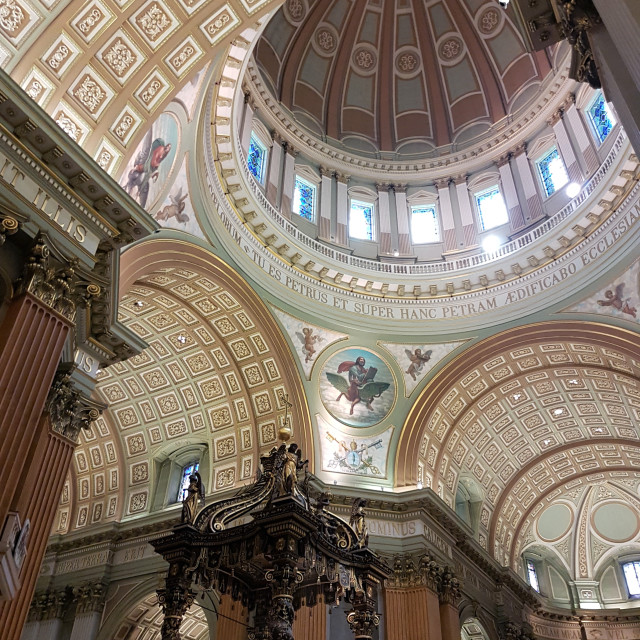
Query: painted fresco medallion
{"points": [[357, 387]]}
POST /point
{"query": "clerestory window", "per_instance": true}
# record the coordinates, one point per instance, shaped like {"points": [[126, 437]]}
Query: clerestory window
{"points": [[492, 210], [257, 159], [631, 572], [304, 199], [187, 471], [601, 118], [361, 220], [552, 172], [424, 224]]}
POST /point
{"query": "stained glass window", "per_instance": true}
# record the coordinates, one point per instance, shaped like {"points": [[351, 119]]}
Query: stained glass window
{"points": [[256, 159], [491, 208], [632, 577], [602, 120], [533, 575], [552, 172], [304, 197], [361, 220], [184, 484], [424, 224]]}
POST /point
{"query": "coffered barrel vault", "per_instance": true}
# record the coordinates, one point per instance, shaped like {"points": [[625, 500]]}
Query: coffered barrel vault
{"points": [[472, 411]]}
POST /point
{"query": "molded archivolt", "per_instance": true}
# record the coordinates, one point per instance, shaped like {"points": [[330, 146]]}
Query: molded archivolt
{"points": [[524, 413], [215, 373], [397, 77]]}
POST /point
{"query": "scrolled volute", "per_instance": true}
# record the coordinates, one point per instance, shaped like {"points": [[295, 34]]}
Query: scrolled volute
{"points": [[69, 410]]}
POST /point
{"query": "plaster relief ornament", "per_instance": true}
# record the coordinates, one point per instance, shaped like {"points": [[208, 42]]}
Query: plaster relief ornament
{"points": [[146, 175], [308, 340], [620, 298], [357, 387]]}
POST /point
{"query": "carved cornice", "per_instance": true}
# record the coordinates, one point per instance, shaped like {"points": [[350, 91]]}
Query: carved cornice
{"points": [[69, 410]]}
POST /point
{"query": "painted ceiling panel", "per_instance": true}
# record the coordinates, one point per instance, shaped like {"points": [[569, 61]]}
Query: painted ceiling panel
{"points": [[380, 56]]}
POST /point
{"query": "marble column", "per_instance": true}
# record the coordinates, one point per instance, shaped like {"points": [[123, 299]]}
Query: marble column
{"points": [[46, 615], [384, 213], [469, 227], [402, 217], [449, 594], [342, 210], [533, 210], [326, 188], [288, 181], [446, 215], [32, 337], [246, 124], [232, 620], [565, 147], [516, 218], [40, 489], [590, 162], [275, 169], [406, 614], [310, 623]]}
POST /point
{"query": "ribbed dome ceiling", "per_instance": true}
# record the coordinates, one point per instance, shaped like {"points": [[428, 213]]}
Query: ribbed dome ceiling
{"points": [[398, 76]]}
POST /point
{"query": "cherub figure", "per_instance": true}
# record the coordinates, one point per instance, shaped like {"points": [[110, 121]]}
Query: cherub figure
{"points": [[417, 359], [616, 301], [175, 209], [308, 340]]}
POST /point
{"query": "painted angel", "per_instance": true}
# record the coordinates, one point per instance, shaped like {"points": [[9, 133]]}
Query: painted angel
{"points": [[308, 340], [175, 209], [417, 359], [359, 386], [617, 301], [146, 166]]}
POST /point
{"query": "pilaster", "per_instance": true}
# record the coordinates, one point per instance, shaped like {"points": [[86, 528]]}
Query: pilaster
{"points": [[384, 214], [446, 215], [326, 188], [342, 210], [469, 227], [402, 217], [288, 181]]}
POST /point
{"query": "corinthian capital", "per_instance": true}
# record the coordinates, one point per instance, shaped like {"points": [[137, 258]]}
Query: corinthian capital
{"points": [[68, 408]]}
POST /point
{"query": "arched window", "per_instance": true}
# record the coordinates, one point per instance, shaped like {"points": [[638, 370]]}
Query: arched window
{"points": [[492, 211], [552, 172], [257, 159], [424, 224], [187, 471], [631, 571], [532, 575], [304, 199], [601, 118], [361, 220]]}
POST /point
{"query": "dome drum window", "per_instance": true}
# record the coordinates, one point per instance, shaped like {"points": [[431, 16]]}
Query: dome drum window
{"points": [[601, 118], [424, 224], [552, 172], [492, 211], [257, 159], [361, 220], [304, 199]]}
